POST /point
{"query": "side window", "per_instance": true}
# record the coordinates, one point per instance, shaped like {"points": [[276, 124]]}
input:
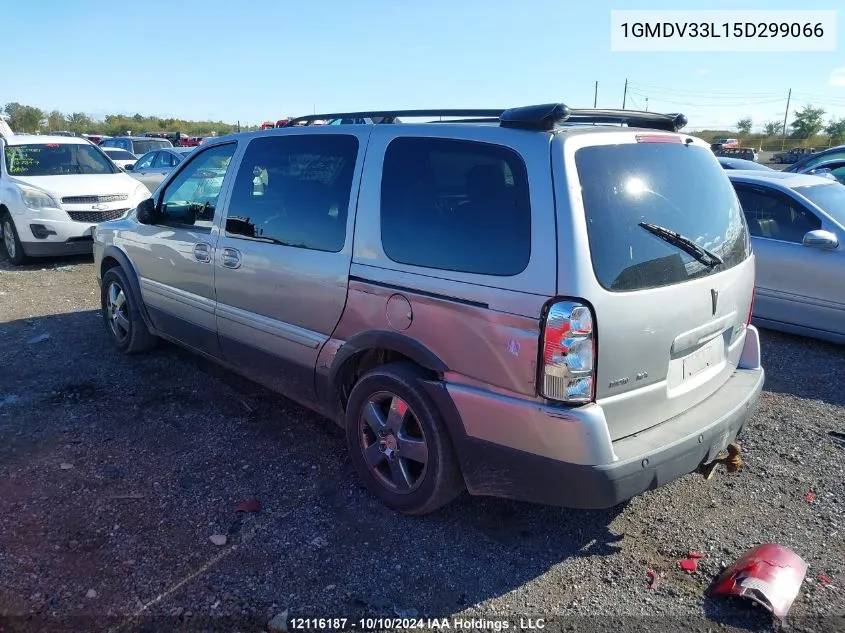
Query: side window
{"points": [[838, 170], [294, 191], [455, 205], [145, 162], [164, 159], [774, 216], [191, 198], [816, 162]]}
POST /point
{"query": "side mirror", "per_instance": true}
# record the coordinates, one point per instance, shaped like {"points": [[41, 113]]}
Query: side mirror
{"points": [[146, 213], [129, 166], [824, 240]]}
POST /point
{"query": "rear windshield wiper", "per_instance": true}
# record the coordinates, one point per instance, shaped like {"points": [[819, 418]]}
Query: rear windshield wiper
{"points": [[708, 258]]}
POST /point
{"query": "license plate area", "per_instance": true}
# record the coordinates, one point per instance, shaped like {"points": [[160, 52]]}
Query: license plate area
{"points": [[711, 354]]}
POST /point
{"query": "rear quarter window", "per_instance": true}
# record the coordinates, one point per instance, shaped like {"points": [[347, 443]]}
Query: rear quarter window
{"points": [[676, 186], [455, 205]]}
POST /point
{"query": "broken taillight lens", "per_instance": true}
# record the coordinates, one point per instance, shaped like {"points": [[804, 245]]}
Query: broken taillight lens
{"points": [[568, 372]]}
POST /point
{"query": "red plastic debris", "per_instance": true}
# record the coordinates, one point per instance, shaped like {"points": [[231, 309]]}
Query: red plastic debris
{"points": [[695, 555], [689, 564], [652, 580], [811, 496], [251, 505], [770, 575], [824, 580]]}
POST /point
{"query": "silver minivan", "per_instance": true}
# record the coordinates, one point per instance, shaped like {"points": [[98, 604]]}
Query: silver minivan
{"points": [[539, 303]]}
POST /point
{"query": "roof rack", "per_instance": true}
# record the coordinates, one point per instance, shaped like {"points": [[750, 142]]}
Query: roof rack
{"points": [[389, 116], [534, 117]]}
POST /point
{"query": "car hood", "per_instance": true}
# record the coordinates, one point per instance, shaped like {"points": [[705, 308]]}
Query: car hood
{"points": [[81, 184]]}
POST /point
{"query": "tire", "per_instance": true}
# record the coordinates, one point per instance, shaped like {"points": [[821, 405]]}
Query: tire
{"points": [[400, 480], [11, 242], [122, 317]]}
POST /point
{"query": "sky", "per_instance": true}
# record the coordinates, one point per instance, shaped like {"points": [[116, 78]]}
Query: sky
{"points": [[264, 60]]}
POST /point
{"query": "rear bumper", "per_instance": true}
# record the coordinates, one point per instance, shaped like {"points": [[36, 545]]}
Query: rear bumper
{"points": [[588, 470]]}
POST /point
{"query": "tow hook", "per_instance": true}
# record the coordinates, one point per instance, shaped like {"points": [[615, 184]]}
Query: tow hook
{"points": [[729, 457]]}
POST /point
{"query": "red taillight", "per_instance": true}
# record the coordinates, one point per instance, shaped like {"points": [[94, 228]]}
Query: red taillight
{"points": [[658, 138], [568, 371]]}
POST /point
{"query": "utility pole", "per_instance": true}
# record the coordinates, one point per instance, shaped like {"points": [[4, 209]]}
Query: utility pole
{"points": [[596, 95], [646, 104], [625, 94], [785, 114], [239, 126]]}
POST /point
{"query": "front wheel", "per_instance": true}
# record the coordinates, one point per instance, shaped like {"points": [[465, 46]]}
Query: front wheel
{"points": [[123, 319], [11, 242], [398, 441]]}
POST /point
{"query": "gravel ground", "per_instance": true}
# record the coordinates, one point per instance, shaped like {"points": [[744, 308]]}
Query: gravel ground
{"points": [[115, 472]]}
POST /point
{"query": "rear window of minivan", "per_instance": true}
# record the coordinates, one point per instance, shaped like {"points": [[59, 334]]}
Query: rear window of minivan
{"points": [[674, 186]]}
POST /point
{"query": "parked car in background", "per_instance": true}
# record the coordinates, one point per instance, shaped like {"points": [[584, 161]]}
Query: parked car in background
{"points": [[745, 153], [725, 142], [120, 157], [832, 159], [53, 190], [137, 145], [797, 225], [739, 163], [793, 155], [154, 166], [407, 280]]}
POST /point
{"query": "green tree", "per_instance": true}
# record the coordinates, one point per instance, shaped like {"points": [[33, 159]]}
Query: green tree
{"points": [[744, 125], [79, 122], [23, 118], [773, 128], [836, 129], [56, 121], [808, 122]]}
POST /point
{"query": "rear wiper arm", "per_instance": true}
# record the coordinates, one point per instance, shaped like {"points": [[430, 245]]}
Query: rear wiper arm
{"points": [[706, 257]]}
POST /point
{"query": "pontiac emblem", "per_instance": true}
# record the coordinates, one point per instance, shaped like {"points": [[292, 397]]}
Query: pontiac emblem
{"points": [[714, 299]]}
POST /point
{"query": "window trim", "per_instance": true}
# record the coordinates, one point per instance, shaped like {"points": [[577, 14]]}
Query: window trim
{"points": [[174, 173], [761, 189], [458, 141], [351, 210]]}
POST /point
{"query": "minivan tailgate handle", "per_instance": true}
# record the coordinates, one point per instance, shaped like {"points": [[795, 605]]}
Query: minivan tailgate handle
{"points": [[703, 333]]}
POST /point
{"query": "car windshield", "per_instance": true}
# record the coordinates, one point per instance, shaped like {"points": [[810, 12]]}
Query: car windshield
{"points": [[829, 196], [120, 154], [56, 159], [148, 145]]}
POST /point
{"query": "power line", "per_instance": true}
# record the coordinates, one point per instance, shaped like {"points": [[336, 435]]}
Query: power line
{"points": [[660, 99], [652, 87]]}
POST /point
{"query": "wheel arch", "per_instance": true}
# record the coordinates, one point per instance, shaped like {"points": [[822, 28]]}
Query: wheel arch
{"points": [[368, 350], [113, 256]]}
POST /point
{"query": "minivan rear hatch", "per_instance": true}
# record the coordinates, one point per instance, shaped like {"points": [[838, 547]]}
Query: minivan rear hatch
{"points": [[672, 274]]}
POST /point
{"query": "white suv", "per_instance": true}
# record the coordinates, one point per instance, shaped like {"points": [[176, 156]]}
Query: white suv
{"points": [[54, 190]]}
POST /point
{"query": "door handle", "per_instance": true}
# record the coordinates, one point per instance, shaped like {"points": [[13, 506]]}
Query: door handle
{"points": [[231, 258], [202, 252]]}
